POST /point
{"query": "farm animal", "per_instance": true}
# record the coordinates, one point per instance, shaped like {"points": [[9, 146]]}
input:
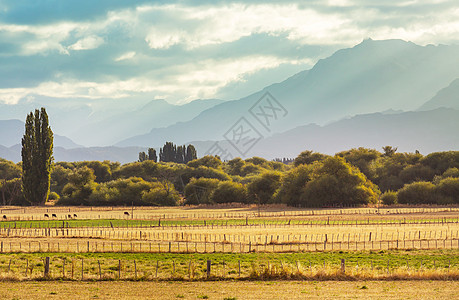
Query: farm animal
{"points": [[126, 213], [46, 216], [69, 216], [75, 215], [4, 217], [54, 216]]}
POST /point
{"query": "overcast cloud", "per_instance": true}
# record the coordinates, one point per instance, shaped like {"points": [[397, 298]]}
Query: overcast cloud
{"points": [[183, 51]]}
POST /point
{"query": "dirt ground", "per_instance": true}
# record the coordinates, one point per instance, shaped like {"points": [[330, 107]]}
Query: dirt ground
{"points": [[232, 290]]}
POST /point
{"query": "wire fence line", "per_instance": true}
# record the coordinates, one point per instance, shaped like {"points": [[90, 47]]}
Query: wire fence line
{"points": [[184, 234], [215, 224], [75, 246], [50, 268], [24, 214]]}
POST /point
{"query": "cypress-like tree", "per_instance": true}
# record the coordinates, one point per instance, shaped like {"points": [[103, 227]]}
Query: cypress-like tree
{"points": [[142, 156], [37, 155], [190, 153], [152, 154], [167, 153], [180, 154]]}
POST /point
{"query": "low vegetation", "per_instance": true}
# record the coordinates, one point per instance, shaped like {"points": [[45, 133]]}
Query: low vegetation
{"points": [[350, 178]]}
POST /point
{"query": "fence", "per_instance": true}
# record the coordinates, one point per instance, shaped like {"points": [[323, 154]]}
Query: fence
{"points": [[139, 213], [117, 269], [72, 246], [234, 223]]}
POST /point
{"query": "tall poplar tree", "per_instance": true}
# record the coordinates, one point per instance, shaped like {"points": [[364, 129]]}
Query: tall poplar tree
{"points": [[37, 155]]}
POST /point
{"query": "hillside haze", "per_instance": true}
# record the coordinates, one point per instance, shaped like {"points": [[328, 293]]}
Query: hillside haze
{"points": [[377, 93], [373, 76]]}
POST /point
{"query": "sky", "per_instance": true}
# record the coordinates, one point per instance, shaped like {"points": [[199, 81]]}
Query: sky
{"points": [[180, 51]]}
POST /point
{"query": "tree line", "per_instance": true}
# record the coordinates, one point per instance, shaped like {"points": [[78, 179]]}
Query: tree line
{"points": [[358, 176], [354, 177], [170, 153]]}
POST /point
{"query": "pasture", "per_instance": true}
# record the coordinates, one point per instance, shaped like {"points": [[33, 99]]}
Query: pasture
{"points": [[249, 242]]}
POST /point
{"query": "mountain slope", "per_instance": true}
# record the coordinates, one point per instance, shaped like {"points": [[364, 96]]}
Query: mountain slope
{"points": [[370, 77], [122, 155], [447, 97], [11, 132], [157, 113], [426, 131]]}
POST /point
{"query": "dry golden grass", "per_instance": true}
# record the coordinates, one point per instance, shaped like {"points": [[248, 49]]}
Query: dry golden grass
{"points": [[232, 290], [275, 211]]}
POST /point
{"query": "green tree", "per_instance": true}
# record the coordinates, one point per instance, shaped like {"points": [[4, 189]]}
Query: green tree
{"points": [[292, 185], [308, 157], [159, 196], [448, 191], [168, 152], [389, 150], [420, 192], [142, 156], [37, 155], [9, 177], [152, 155], [228, 191], [336, 182], [263, 187], [206, 161], [199, 191], [191, 153], [389, 198]]}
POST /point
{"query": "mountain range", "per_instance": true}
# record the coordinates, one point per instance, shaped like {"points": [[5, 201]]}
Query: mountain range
{"points": [[374, 94]]}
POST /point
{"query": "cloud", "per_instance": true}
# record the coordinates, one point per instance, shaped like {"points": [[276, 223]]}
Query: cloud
{"points": [[183, 50], [126, 56], [87, 43]]}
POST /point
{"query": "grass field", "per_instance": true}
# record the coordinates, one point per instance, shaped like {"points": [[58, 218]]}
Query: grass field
{"points": [[418, 264], [231, 290], [243, 243]]}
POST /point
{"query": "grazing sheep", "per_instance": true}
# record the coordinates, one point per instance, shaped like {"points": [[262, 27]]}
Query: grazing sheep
{"points": [[126, 213], [4, 217], [46, 216], [69, 216], [75, 215], [54, 216]]}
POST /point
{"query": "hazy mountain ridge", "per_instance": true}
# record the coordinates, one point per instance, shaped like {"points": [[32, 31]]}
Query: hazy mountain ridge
{"points": [[11, 132], [447, 97], [426, 131], [102, 122], [373, 76], [122, 155], [156, 113], [375, 94]]}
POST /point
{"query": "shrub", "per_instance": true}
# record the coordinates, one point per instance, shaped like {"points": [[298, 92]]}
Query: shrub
{"points": [[262, 188], [389, 198], [228, 191], [417, 193], [161, 195], [199, 191], [336, 182], [447, 191]]}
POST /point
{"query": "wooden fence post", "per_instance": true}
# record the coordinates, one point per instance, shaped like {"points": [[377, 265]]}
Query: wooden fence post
{"points": [[208, 268], [119, 269], [82, 269], [46, 273], [157, 266], [27, 266], [343, 266], [100, 270]]}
